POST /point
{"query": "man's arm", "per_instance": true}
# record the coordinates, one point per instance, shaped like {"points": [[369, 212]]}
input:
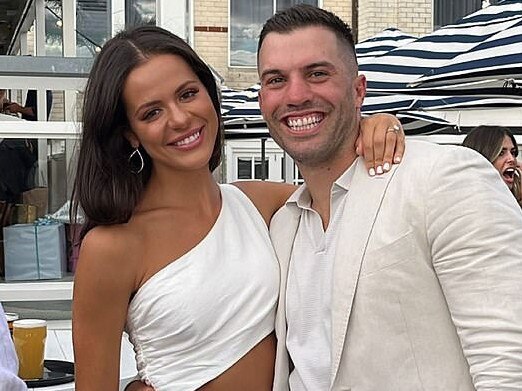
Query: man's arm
{"points": [[474, 227]]}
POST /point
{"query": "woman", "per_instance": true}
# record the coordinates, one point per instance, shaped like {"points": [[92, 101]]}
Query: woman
{"points": [[498, 145], [183, 264]]}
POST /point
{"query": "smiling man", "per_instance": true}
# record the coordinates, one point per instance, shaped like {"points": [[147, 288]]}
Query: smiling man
{"points": [[407, 281]]}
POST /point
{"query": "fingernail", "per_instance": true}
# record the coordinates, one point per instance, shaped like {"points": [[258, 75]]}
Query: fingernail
{"points": [[371, 171], [379, 170], [386, 166], [397, 159]]}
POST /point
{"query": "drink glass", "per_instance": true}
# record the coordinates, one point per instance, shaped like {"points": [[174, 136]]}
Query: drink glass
{"points": [[11, 317], [29, 339]]}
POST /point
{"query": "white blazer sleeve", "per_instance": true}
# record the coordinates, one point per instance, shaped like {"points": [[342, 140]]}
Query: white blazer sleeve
{"points": [[9, 381], [474, 227]]}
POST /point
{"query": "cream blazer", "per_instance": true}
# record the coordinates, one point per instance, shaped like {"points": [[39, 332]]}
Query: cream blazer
{"points": [[427, 286]]}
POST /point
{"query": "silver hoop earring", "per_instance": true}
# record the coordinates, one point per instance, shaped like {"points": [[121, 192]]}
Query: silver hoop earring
{"points": [[136, 152]]}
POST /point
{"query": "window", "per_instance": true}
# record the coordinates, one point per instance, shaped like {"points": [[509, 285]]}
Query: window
{"points": [[251, 168], [298, 178], [53, 28], [140, 12], [246, 20], [93, 24], [244, 168], [449, 11]]}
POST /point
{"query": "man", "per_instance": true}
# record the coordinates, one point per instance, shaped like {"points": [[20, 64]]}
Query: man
{"points": [[9, 381], [409, 281]]}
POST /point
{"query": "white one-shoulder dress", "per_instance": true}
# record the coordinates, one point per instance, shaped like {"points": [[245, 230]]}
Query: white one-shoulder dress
{"points": [[201, 313]]}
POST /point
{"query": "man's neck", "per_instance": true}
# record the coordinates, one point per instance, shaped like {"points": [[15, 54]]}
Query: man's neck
{"points": [[320, 179]]}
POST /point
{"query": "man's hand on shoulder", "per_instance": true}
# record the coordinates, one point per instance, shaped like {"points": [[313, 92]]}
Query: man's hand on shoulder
{"points": [[137, 385]]}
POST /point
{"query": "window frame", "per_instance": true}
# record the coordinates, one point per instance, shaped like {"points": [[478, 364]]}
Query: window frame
{"points": [[229, 43]]}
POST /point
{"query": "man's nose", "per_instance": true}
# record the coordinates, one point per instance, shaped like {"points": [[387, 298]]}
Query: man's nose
{"points": [[298, 91]]}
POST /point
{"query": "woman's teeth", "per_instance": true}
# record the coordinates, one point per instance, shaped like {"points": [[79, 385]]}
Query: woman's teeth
{"points": [[187, 140], [510, 172]]}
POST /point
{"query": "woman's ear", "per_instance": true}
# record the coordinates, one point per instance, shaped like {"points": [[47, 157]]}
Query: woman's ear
{"points": [[131, 138]]}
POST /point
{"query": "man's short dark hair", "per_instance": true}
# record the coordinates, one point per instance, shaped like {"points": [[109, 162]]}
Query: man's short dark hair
{"points": [[303, 15]]}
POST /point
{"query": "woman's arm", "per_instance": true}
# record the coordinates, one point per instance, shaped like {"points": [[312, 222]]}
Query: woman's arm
{"points": [[381, 142], [102, 288]]}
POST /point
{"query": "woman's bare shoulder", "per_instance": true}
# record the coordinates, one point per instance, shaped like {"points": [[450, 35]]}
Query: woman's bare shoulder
{"points": [[110, 249]]}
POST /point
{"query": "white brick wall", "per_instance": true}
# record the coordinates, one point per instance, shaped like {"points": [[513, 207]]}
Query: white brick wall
{"points": [[411, 16]]}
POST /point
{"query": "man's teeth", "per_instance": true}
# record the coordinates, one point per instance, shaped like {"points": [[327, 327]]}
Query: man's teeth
{"points": [[187, 140], [303, 123]]}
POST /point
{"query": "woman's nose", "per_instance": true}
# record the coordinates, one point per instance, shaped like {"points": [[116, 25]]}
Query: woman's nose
{"points": [[178, 117]]}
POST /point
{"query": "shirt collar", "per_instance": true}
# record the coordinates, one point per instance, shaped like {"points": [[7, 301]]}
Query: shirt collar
{"points": [[301, 197]]}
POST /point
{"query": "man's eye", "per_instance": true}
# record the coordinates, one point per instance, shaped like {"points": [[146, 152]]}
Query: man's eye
{"points": [[318, 74], [274, 80]]}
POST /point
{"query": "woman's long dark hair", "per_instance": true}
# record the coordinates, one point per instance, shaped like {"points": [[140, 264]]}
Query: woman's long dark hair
{"points": [[105, 187]]}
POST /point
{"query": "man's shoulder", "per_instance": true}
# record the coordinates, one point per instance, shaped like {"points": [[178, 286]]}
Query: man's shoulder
{"points": [[420, 152]]}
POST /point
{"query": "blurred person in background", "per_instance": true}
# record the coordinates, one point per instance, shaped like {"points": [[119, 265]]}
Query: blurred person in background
{"points": [[18, 157], [498, 145], [29, 111]]}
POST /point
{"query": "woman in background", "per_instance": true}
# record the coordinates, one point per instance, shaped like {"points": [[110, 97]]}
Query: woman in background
{"points": [[498, 145], [182, 263]]}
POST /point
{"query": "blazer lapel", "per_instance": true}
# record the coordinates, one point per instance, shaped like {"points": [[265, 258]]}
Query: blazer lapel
{"points": [[283, 229], [362, 205]]}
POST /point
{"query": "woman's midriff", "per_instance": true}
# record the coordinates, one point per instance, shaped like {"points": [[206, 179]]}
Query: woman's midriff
{"points": [[254, 371]]}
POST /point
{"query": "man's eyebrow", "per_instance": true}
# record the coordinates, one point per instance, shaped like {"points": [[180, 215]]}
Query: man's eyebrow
{"points": [[319, 64], [308, 67], [269, 72]]}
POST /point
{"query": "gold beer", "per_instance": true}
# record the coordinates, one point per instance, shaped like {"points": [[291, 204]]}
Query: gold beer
{"points": [[29, 339]]}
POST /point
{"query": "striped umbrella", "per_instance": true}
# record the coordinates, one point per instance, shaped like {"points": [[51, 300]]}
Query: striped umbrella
{"points": [[483, 46], [494, 59], [380, 44]]}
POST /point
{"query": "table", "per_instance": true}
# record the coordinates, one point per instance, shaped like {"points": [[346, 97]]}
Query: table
{"points": [[59, 347]]}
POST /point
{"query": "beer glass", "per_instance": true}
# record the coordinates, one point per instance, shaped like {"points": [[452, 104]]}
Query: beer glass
{"points": [[29, 339]]}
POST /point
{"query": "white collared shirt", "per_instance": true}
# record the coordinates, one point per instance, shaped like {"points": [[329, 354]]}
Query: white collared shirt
{"points": [[309, 288]]}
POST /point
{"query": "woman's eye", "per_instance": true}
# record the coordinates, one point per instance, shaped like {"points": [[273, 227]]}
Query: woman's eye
{"points": [[189, 94], [150, 114]]}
